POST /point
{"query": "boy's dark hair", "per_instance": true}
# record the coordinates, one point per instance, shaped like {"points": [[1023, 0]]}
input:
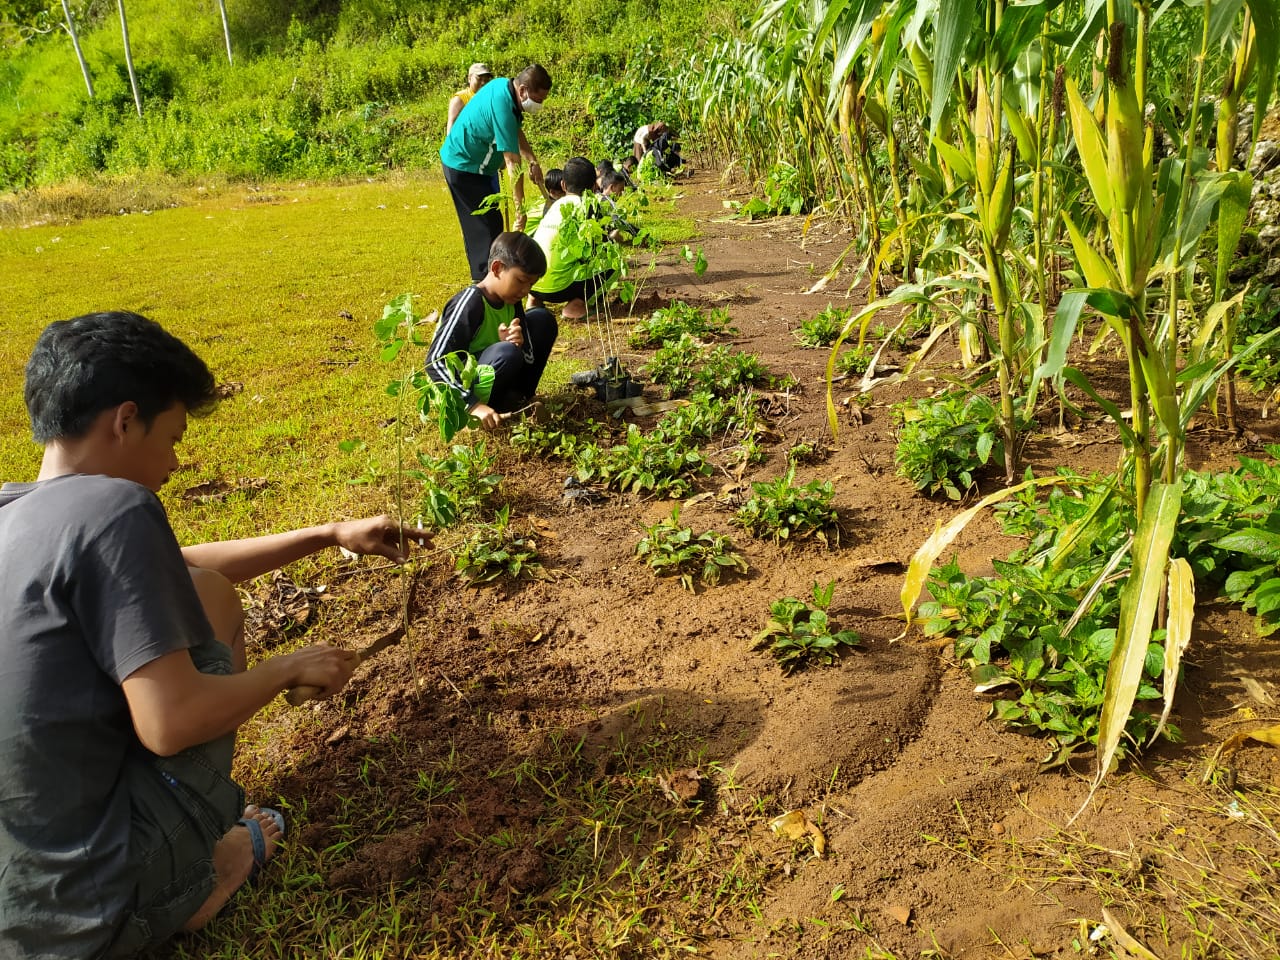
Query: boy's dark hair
{"points": [[83, 366], [613, 178], [603, 167], [519, 250], [579, 176], [535, 77], [629, 164], [554, 180]]}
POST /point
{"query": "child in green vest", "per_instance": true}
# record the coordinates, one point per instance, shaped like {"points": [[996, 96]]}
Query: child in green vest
{"points": [[488, 320]]}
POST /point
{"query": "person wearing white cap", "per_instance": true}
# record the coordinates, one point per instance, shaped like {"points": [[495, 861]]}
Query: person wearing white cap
{"points": [[477, 76]]}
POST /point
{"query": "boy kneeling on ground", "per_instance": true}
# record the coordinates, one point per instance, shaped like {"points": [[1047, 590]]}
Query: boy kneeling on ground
{"points": [[567, 279], [122, 660], [489, 321]]}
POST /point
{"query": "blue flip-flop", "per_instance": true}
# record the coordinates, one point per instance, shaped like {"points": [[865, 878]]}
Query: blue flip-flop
{"points": [[258, 840]]}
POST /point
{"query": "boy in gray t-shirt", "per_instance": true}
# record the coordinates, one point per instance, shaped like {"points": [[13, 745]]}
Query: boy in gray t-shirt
{"points": [[122, 663]]}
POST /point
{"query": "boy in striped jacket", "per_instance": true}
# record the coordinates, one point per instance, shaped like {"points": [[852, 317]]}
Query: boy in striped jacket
{"points": [[488, 320]]}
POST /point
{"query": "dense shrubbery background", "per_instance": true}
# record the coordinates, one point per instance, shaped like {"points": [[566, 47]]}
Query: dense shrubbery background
{"points": [[319, 87]]}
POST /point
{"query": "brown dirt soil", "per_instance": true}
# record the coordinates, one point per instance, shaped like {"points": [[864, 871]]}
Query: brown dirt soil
{"points": [[941, 834]]}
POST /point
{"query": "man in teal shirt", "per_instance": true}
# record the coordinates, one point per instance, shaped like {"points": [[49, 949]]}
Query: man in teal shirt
{"points": [[485, 138]]}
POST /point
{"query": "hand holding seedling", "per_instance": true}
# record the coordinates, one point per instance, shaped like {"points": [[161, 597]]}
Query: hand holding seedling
{"points": [[378, 535], [512, 332]]}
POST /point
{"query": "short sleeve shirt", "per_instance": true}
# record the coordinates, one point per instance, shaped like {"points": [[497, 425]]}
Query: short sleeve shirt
{"points": [[93, 586], [488, 128]]}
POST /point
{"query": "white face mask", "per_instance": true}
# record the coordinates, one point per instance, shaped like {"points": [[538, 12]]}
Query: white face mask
{"points": [[529, 105]]}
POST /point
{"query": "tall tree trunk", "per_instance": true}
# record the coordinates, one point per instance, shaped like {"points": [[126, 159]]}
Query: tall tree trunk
{"points": [[226, 30], [128, 59], [75, 42]]}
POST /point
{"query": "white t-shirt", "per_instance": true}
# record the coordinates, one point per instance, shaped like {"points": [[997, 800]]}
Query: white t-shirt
{"points": [[642, 134]]}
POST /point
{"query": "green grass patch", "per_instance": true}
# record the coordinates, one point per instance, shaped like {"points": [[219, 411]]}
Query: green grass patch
{"points": [[277, 290]]}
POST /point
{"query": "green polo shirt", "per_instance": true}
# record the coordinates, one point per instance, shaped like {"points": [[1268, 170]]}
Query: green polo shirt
{"points": [[485, 130]]}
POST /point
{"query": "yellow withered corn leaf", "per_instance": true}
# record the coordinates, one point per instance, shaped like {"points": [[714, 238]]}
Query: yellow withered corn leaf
{"points": [[1138, 602], [931, 549], [1182, 611]]}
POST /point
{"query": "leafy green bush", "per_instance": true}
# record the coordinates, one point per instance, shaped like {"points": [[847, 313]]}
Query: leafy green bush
{"points": [[557, 440], [781, 510], [783, 193], [945, 440], [799, 634], [494, 550], [822, 329], [668, 323], [1230, 534], [1258, 317], [458, 485], [671, 548], [687, 364], [643, 463], [854, 361]]}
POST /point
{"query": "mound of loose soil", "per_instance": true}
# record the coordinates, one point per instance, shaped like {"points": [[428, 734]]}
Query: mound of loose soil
{"points": [[941, 834]]}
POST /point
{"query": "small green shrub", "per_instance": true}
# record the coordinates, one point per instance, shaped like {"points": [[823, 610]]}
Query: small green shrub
{"points": [[783, 193], [854, 361], [671, 548], [676, 364], [494, 550], [687, 364], [555, 441], [822, 329], [668, 323], [781, 510], [1258, 317], [945, 440], [643, 463], [798, 634], [458, 485]]}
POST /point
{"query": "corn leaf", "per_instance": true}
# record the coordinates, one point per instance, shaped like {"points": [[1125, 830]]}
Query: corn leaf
{"points": [[940, 539], [1098, 272], [955, 23], [1092, 147], [1138, 602], [1182, 612], [1233, 208], [1266, 22], [1268, 735]]}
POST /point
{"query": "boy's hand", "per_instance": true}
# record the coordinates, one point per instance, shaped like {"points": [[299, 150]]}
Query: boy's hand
{"points": [[512, 333], [519, 223], [489, 418], [325, 668], [376, 535]]}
